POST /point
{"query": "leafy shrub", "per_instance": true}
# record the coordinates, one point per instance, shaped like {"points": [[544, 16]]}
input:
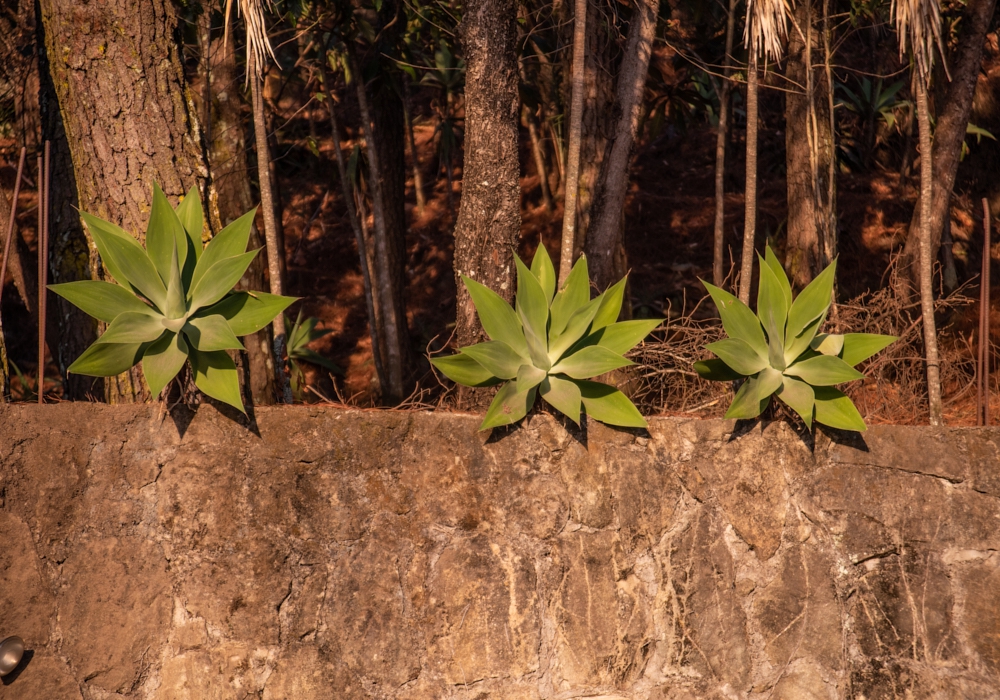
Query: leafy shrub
{"points": [[174, 301], [781, 352], [550, 345]]}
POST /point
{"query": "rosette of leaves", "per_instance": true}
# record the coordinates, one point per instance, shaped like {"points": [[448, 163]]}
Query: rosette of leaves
{"points": [[174, 301], [780, 351], [303, 332], [551, 344]]}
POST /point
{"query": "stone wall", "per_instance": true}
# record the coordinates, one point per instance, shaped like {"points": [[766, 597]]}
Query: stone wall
{"points": [[342, 554]]}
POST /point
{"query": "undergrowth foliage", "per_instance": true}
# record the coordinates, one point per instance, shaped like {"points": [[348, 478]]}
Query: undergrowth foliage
{"points": [[174, 301]]}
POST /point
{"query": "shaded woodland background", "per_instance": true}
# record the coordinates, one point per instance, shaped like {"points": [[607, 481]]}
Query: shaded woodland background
{"points": [[453, 122]]}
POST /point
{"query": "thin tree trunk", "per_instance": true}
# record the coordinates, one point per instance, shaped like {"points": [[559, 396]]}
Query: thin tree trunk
{"points": [[926, 259], [606, 235], [489, 216], [572, 186], [750, 207], [721, 136], [418, 178], [275, 251], [949, 135]]}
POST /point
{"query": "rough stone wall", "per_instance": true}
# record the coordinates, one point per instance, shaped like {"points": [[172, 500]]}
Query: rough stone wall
{"points": [[337, 554]]}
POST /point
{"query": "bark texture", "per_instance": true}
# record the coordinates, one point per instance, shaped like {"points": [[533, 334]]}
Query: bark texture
{"points": [[809, 151], [570, 235], [750, 206], [123, 101], [721, 137], [489, 215], [606, 235]]}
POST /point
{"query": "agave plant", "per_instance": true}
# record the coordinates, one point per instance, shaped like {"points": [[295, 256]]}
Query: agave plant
{"points": [[552, 344], [303, 332], [174, 301], [781, 352]]}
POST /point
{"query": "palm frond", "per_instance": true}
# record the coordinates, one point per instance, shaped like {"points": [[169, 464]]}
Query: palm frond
{"points": [[766, 28], [258, 44], [918, 23]]}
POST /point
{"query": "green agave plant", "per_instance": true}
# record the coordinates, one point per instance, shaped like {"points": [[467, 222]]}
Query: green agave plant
{"points": [[174, 301], [781, 352], [303, 332], [550, 345]]}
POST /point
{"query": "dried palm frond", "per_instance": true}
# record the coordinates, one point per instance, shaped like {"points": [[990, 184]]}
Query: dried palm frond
{"points": [[258, 44], [766, 28], [918, 23]]}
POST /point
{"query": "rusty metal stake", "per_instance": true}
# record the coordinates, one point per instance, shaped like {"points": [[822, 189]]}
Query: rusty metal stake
{"points": [[983, 368], [43, 262], [10, 223]]}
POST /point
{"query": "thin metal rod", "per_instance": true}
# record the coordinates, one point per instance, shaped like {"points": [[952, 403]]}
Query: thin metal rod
{"points": [[10, 223], [984, 314], [43, 263]]}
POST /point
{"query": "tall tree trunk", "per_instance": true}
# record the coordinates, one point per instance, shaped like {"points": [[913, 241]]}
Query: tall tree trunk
{"points": [[606, 235], [750, 206], [572, 187], [721, 136], [418, 178], [126, 120], [809, 151], [949, 134], [926, 259], [489, 215]]}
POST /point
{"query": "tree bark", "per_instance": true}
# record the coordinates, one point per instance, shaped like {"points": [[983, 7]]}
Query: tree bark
{"points": [[418, 178], [572, 189], [809, 151], [750, 206], [606, 235], [949, 135], [721, 136], [489, 216]]}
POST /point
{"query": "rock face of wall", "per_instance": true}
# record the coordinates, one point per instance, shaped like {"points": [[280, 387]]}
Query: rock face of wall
{"points": [[340, 554]]}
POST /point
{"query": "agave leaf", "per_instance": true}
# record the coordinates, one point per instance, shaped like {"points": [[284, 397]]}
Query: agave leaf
{"points": [[828, 343], [509, 406], [462, 369], [611, 306], [590, 362], [608, 405], [738, 320], [107, 359], [750, 400], [738, 355], [532, 304], [529, 376], [563, 395], [773, 314], [795, 346], [133, 265], [220, 279], [799, 397], [215, 374], [100, 232], [162, 361], [133, 327], [858, 347], [176, 304], [544, 271], [307, 355], [164, 233], [779, 273], [559, 343], [229, 242], [192, 218], [497, 317], [716, 371], [102, 300], [299, 335], [812, 302], [211, 333], [496, 357], [574, 294], [824, 370], [834, 409], [248, 314], [625, 335]]}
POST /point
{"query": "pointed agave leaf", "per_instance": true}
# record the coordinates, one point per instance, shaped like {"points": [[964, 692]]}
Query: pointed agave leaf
{"points": [[563, 395], [219, 279], [133, 327], [858, 347], [529, 376], [750, 400], [496, 316], [625, 335], [611, 306], [192, 218], [608, 405], [834, 409], [828, 343], [162, 361], [799, 397], [463, 370], [229, 242], [307, 355], [164, 232], [716, 371], [248, 313], [533, 310], [107, 359], [509, 406], [590, 362], [211, 333], [824, 371], [496, 357], [738, 320], [215, 375], [559, 343], [100, 231], [568, 300], [128, 262], [102, 300], [176, 304], [738, 355], [544, 271], [813, 302], [794, 347], [773, 314], [779, 273]]}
